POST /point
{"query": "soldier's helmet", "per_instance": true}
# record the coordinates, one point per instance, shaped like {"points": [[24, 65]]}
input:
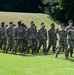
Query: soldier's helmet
{"points": [[70, 21]]}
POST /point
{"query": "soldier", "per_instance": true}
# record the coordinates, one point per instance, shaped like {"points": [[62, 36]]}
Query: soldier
{"points": [[42, 38], [3, 36], [9, 34], [18, 35], [25, 41], [31, 36], [70, 37], [6, 26], [62, 41], [52, 38]]}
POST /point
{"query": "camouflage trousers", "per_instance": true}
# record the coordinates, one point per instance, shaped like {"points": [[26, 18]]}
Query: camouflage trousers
{"points": [[24, 46], [53, 44], [32, 45], [18, 43], [9, 44], [62, 44], [40, 43], [3, 43], [71, 44]]}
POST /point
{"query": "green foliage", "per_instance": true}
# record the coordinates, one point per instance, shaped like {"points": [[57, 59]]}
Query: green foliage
{"points": [[21, 5]]}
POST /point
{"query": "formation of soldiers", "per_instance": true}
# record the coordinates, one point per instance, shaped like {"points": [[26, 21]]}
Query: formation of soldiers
{"points": [[20, 38]]}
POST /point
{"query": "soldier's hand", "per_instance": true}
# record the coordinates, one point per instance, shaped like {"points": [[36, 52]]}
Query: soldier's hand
{"points": [[69, 30]]}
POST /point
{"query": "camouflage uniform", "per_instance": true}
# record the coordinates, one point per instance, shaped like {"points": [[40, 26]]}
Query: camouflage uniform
{"points": [[9, 34], [70, 38], [3, 37], [62, 42], [25, 42], [52, 39], [18, 35], [42, 38], [31, 36]]}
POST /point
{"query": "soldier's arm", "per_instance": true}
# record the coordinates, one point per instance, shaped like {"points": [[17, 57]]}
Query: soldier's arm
{"points": [[15, 33], [27, 31], [49, 33], [68, 31], [0, 32], [38, 34], [57, 31], [46, 34], [7, 32]]}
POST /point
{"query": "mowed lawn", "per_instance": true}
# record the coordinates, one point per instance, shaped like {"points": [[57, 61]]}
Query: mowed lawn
{"points": [[33, 64], [26, 18]]}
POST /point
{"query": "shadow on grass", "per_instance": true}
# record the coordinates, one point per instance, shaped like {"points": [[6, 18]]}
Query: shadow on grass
{"points": [[68, 59]]}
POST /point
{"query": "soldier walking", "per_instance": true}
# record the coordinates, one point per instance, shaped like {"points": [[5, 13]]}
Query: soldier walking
{"points": [[62, 41], [9, 34], [31, 36], [3, 36], [70, 37], [42, 38], [52, 38], [18, 35]]}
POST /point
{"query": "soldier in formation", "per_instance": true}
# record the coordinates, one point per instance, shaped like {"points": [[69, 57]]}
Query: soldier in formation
{"points": [[23, 39], [52, 38], [70, 38], [42, 38], [62, 41]]}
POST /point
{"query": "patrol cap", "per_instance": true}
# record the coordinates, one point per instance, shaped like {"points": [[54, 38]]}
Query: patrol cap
{"points": [[3, 23], [32, 22], [52, 24], [6, 25], [62, 25], [70, 21], [42, 23], [19, 22], [10, 22]]}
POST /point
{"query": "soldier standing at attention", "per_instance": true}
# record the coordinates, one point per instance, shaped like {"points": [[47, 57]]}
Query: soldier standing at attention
{"points": [[52, 38], [18, 35], [70, 37], [42, 38], [62, 41], [31, 36], [3, 36], [9, 34]]}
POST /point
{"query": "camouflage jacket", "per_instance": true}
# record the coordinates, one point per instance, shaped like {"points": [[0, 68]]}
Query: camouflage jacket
{"points": [[18, 33], [52, 34], [31, 32], [62, 35], [42, 34], [70, 36], [3, 32], [9, 32]]}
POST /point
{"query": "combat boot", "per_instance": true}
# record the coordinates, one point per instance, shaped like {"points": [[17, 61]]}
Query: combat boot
{"points": [[56, 55]]}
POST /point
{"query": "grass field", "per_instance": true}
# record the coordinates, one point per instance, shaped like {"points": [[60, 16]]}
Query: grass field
{"points": [[33, 64], [26, 18]]}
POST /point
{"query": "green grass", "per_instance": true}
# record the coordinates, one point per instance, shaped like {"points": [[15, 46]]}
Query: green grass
{"points": [[35, 65], [26, 18], [30, 64]]}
